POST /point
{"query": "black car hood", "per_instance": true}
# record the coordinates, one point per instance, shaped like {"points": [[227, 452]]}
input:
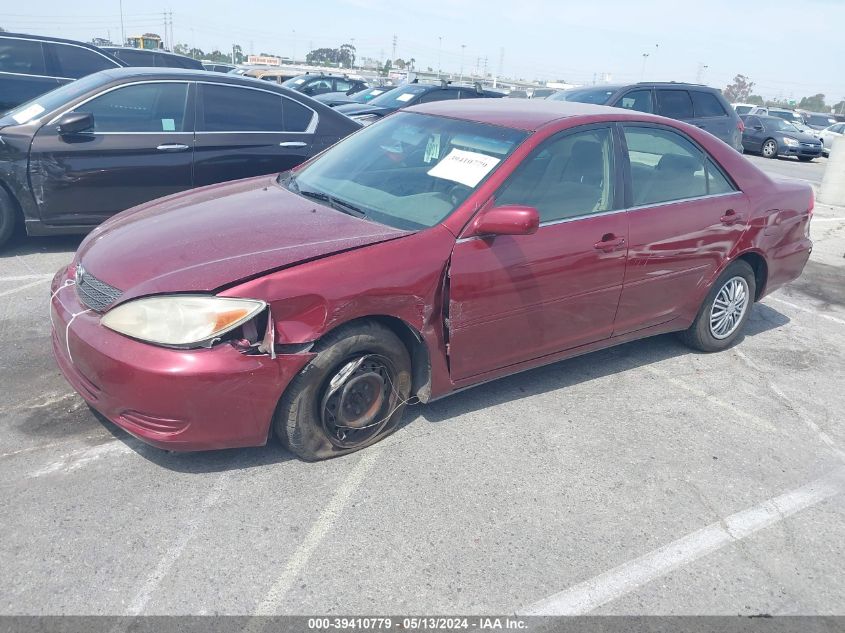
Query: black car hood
{"points": [[801, 137], [357, 109]]}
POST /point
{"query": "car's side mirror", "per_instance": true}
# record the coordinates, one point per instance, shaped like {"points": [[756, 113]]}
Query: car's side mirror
{"points": [[75, 123], [512, 219]]}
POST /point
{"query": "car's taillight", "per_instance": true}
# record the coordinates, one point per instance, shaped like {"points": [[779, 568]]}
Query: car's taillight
{"points": [[740, 126]]}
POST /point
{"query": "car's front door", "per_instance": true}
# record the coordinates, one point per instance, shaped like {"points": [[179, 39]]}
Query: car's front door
{"points": [[517, 298], [685, 217], [139, 149], [244, 132]]}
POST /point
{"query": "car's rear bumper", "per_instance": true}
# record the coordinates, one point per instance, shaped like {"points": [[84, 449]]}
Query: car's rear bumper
{"points": [[173, 399]]}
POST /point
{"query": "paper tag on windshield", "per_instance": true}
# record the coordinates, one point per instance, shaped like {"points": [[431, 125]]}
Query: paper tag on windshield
{"points": [[467, 168], [25, 115], [405, 97]]}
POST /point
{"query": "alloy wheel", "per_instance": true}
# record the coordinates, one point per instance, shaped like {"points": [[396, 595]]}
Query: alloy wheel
{"points": [[729, 307], [770, 149]]}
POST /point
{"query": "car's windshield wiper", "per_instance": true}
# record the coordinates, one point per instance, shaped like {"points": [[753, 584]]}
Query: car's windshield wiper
{"points": [[334, 203]]}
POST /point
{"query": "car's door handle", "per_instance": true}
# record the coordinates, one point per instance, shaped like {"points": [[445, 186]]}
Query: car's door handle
{"points": [[293, 144], [730, 217], [609, 243], [172, 147]]}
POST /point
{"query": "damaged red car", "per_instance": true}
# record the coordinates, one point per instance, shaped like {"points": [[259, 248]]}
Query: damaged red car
{"points": [[448, 245]]}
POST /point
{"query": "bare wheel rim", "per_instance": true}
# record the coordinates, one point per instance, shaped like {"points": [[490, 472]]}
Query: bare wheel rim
{"points": [[769, 148], [728, 307], [358, 400]]}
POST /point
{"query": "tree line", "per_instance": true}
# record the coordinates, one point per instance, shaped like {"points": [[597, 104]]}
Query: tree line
{"points": [[741, 90]]}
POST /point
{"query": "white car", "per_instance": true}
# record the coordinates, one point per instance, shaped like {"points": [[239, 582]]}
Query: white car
{"points": [[828, 134], [743, 108]]}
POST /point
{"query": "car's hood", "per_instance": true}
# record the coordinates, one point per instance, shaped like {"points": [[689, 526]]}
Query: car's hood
{"points": [[357, 109], [212, 237], [801, 137]]}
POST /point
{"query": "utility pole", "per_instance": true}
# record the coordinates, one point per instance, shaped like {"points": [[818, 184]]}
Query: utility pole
{"points": [[395, 39], [439, 55], [501, 61], [293, 39], [642, 74], [463, 48], [699, 76], [122, 32]]}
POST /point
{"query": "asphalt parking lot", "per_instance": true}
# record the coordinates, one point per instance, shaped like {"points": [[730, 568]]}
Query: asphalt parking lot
{"points": [[645, 479]]}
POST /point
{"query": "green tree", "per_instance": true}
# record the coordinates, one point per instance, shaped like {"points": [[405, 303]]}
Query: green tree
{"points": [[346, 55], [388, 65], [755, 99], [739, 90], [399, 63], [839, 108], [814, 104]]}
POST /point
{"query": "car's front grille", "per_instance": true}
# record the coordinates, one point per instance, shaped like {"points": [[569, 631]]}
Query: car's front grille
{"points": [[94, 293]]}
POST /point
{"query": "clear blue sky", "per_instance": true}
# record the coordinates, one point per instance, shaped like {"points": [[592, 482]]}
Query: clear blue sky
{"points": [[789, 48]]}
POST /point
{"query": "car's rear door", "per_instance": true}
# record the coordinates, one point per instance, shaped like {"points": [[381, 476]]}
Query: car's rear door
{"points": [[754, 134], [244, 131], [514, 298], [685, 217], [139, 149], [710, 115]]}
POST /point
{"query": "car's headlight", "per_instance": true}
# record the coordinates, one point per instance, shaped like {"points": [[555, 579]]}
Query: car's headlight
{"points": [[181, 320], [790, 142]]}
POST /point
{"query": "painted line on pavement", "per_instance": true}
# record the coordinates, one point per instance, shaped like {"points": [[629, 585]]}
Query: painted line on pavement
{"points": [[24, 287], [809, 310], [619, 581], [26, 277]]}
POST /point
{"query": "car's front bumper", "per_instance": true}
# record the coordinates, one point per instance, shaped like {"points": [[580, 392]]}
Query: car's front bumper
{"points": [[173, 399], [804, 149]]}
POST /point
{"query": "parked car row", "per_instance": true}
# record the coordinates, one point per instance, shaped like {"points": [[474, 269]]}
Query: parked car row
{"points": [[772, 136]]}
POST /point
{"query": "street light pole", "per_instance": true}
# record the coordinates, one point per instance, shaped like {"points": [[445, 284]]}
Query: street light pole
{"points": [[439, 55], [642, 74], [122, 32], [463, 48]]}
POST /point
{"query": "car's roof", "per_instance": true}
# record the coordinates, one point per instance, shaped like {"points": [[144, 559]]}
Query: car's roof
{"points": [[142, 72], [524, 114], [146, 51], [45, 38]]}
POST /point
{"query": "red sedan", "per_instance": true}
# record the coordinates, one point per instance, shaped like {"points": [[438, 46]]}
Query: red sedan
{"points": [[448, 245]]}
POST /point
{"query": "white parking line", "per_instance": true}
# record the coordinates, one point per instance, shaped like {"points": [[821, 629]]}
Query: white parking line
{"points": [[810, 310], [615, 583], [24, 287], [186, 533], [272, 602], [814, 220]]}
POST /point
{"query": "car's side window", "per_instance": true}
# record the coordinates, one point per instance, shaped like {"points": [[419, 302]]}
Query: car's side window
{"points": [[706, 104], [639, 100], [234, 109], [568, 176], [752, 122], [21, 56], [150, 107], [342, 85], [76, 62], [297, 117], [675, 104], [666, 166]]}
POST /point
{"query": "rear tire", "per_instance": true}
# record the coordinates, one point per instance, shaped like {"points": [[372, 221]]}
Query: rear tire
{"points": [[806, 159], [769, 148], [8, 217], [351, 395], [725, 310]]}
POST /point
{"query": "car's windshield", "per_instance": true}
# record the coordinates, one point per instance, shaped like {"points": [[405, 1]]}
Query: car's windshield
{"points": [[409, 171], [295, 82], [398, 97], [596, 96], [820, 119], [794, 117], [743, 109], [781, 126], [49, 101], [369, 94]]}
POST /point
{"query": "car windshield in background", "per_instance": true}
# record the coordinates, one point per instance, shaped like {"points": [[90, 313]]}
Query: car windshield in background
{"points": [[596, 96], [820, 120], [398, 97], [782, 126], [787, 116], [743, 109], [409, 171], [49, 101]]}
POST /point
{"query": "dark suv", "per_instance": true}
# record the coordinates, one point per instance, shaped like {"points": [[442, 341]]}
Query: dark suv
{"points": [[698, 105], [31, 65]]}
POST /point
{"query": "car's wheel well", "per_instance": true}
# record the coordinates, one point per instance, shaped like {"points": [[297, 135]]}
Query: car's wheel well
{"points": [[761, 271], [414, 343]]}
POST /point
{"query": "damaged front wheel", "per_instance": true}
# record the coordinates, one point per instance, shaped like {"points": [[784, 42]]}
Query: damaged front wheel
{"points": [[351, 395]]}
